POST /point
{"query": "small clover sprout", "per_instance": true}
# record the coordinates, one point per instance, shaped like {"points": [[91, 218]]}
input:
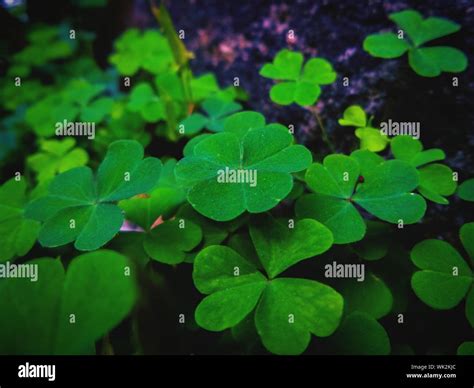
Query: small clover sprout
{"points": [[370, 138], [299, 84]]}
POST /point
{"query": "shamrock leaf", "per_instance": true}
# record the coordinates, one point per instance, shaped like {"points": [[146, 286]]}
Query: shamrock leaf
{"points": [[17, 234], [203, 87], [71, 310], [78, 98], [135, 50], [370, 296], [287, 310], [248, 166], [299, 86], [144, 100], [436, 180], [445, 278], [46, 44], [56, 156], [217, 111], [411, 150], [376, 242], [466, 190], [370, 138], [368, 160], [82, 96], [280, 247], [360, 334], [163, 200], [123, 125], [213, 232], [170, 241], [13, 96], [425, 61], [80, 207], [466, 349], [385, 193], [354, 116], [165, 241]]}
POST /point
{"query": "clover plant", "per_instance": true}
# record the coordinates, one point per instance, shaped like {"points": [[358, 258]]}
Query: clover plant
{"points": [[287, 310], [17, 233], [247, 146], [436, 180], [299, 84], [220, 240], [80, 207], [72, 308], [427, 61], [440, 263], [385, 193], [370, 138], [57, 156]]}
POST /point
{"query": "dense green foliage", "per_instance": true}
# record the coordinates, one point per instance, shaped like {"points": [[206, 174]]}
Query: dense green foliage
{"points": [[247, 235]]}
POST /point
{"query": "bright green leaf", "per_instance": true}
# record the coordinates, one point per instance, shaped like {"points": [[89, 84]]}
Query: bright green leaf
{"points": [[78, 207]]}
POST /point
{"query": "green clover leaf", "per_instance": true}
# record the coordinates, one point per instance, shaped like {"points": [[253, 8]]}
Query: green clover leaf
{"points": [[163, 200], [80, 207], [368, 160], [149, 51], [444, 278], [17, 233], [411, 150], [466, 190], [144, 100], [56, 156], [78, 99], [370, 138], [167, 241], [216, 110], [248, 166], [376, 242], [280, 247], [46, 44], [213, 232], [436, 180], [466, 349], [204, 86], [360, 334], [122, 125], [72, 310], [298, 86], [286, 310], [170, 241], [385, 193], [425, 61], [12, 96], [370, 296]]}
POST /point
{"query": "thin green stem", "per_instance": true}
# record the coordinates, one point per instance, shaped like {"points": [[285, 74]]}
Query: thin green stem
{"points": [[324, 133]]}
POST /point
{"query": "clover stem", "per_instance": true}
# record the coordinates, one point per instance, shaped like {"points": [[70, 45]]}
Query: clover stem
{"points": [[324, 133], [107, 348]]}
